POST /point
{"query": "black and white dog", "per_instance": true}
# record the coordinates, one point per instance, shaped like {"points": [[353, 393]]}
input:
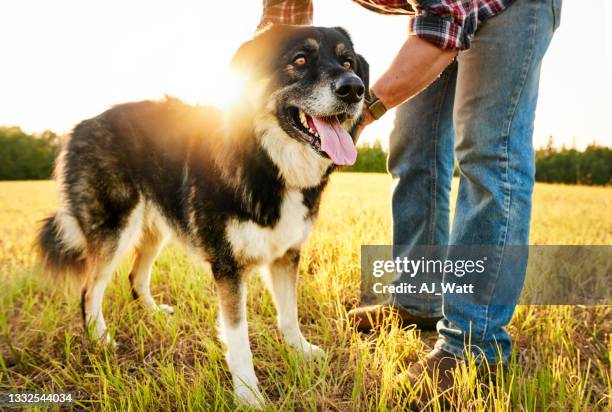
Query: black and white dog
{"points": [[241, 187]]}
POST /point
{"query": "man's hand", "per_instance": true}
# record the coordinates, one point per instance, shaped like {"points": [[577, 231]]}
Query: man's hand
{"points": [[366, 119]]}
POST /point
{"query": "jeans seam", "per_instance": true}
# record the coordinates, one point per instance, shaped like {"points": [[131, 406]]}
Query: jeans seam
{"points": [[556, 12], [434, 170], [434, 176], [507, 186]]}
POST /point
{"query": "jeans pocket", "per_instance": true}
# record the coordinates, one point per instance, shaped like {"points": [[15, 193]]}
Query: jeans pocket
{"points": [[556, 9]]}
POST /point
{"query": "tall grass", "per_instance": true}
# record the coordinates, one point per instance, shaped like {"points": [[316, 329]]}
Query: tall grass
{"points": [[560, 362]]}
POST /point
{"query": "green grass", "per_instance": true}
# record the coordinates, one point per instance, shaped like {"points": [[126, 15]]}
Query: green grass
{"points": [[561, 358]]}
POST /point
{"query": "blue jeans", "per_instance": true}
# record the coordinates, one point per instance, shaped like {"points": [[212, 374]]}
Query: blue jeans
{"points": [[483, 106]]}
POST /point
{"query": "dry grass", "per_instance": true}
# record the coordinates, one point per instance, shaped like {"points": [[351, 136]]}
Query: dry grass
{"points": [[561, 359]]}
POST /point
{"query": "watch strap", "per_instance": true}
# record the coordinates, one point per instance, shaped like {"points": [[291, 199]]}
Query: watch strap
{"points": [[376, 107]]}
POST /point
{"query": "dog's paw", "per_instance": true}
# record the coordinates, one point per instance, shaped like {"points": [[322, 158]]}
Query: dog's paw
{"points": [[101, 338], [165, 308], [311, 351], [250, 396], [104, 343], [108, 342]]}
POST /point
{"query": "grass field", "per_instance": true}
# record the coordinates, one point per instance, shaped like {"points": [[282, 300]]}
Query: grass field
{"points": [[561, 358]]}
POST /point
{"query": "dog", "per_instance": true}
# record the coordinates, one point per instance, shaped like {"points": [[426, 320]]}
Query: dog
{"points": [[240, 186]]}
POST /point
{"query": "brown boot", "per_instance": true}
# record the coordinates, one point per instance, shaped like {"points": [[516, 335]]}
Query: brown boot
{"points": [[437, 364], [431, 377], [367, 318]]}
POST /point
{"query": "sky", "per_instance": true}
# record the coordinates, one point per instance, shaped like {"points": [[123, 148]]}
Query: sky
{"points": [[66, 60]]}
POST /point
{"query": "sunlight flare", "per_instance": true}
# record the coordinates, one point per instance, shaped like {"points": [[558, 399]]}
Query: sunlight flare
{"points": [[222, 89]]}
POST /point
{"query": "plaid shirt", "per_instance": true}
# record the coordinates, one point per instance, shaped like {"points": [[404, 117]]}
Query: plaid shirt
{"points": [[449, 24]]}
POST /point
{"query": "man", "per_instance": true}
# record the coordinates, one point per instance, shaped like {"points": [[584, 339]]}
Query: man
{"points": [[465, 82]]}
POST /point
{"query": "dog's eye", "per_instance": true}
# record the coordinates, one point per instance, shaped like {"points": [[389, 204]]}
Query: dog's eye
{"points": [[299, 60], [347, 64]]}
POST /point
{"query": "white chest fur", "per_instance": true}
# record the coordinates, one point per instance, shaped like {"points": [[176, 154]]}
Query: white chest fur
{"points": [[264, 244]]}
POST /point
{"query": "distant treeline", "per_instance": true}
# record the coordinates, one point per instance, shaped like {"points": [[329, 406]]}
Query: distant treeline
{"points": [[27, 156], [593, 166], [24, 156], [371, 158]]}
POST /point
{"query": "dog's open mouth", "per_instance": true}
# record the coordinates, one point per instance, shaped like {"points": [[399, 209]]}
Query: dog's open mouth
{"points": [[325, 135]]}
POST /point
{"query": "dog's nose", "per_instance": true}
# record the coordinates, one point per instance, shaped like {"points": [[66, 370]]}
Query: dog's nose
{"points": [[349, 89]]}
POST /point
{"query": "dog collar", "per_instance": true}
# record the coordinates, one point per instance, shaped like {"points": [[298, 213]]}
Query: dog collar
{"points": [[376, 107]]}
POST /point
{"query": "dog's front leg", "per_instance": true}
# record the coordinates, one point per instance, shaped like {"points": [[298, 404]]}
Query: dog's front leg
{"points": [[282, 283], [234, 333]]}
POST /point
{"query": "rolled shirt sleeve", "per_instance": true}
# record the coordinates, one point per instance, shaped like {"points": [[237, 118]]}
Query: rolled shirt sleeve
{"points": [[296, 12], [448, 24]]}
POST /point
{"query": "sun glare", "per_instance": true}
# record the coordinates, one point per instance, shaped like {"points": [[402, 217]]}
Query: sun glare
{"points": [[221, 88], [233, 86]]}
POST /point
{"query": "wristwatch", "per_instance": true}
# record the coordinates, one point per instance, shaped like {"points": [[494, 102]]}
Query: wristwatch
{"points": [[376, 107]]}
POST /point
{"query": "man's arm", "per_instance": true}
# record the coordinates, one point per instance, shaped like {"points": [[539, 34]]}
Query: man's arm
{"points": [[416, 65], [438, 31]]}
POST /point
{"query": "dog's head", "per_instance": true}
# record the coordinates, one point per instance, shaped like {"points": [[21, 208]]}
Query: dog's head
{"points": [[310, 85]]}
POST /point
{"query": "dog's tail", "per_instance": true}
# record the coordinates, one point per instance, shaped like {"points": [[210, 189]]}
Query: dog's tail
{"points": [[62, 247]]}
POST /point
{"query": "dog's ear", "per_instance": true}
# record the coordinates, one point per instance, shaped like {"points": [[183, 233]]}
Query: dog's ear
{"points": [[362, 70], [245, 59], [253, 57], [345, 33]]}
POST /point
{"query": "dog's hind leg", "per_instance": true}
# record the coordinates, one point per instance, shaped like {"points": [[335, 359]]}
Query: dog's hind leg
{"points": [[235, 334], [151, 243], [109, 255], [281, 280], [91, 303]]}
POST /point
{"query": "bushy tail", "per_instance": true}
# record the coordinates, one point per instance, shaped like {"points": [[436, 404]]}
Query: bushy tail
{"points": [[60, 255]]}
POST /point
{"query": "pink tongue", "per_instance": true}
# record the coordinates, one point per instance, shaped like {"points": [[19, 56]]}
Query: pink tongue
{"points": [[335, 141]]}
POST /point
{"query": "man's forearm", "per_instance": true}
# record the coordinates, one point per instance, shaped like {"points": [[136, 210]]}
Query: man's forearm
{"points": [[417, 64]]}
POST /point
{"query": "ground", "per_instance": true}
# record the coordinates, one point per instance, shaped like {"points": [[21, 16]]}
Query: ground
{"points": [[561, 358]]}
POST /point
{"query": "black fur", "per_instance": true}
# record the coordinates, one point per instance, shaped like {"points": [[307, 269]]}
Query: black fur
{"points": [[312, 196], [133, 291], [83, 312]]}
